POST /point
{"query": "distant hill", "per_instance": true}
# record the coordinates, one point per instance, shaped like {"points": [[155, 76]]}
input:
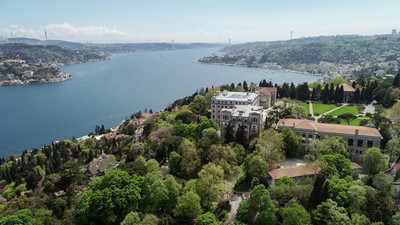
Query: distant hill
{"points": [[323, 55], [49, 53], [113, 47]]}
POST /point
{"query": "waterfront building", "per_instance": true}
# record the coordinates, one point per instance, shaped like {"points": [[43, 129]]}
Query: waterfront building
{"points": [[358, 138]]}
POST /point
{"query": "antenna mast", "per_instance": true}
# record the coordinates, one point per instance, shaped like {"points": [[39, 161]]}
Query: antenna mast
{"points": [[45, 33]]}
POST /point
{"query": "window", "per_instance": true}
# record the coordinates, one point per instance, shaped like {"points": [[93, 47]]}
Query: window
{"points": [[213, 117], [218, 117], [303, 135], [309, 136], [350, 142], [360, 143], [245, 126], [369, 144]]}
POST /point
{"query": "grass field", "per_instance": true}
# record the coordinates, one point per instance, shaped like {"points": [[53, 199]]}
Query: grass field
{"points": [[307, 107], [355, 122], [345, 109], [322, 108]]}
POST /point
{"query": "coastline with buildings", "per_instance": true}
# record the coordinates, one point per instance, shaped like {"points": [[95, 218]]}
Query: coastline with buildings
{"points": [[15, 72]]}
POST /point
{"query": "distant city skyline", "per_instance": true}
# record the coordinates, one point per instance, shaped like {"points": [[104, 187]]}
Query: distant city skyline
{"points": [[207, 21]]}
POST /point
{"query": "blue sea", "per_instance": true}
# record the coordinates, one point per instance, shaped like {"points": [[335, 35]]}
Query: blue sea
{"points": [[106, 92]]}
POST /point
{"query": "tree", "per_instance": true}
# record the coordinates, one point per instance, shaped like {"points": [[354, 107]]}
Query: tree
{"points": [[393, 149], [255, 166], [240, 136], [396, 81], [328, 146], [131, 219], [374, 161], [357, 95], [337, 164], [44, 217], [198, 105], [173, 192], [23, 216], [348, 117], [229, 133], [191, 162], [149, 219], [188, 206], [291, 142], [258, 209], [225, 157], [175, 163], [329, 213], [295, 214], [269, 146], [210, 185], [109, 199], [207, 219], [393, 114], [357, 199]]}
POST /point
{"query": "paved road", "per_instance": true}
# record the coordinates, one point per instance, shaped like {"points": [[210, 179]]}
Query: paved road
{"points": [[369, 109]]}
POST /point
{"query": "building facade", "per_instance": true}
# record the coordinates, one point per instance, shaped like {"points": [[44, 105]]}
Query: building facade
{"points": [[358, 138], [227, 100], [267, 96], [252, 118]]}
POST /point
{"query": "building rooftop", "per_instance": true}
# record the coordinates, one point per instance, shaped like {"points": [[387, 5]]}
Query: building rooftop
{"points": [[299, 171], [244, 110], [266, 90], [235, 96], [328, 128], [291, 171], [348, 88]]}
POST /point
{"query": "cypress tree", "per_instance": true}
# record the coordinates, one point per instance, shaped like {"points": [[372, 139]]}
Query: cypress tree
{"points": [[331, 92], [362, 96], [337, 97], [341, 94], [292, 93], [357, 96], [353, 84], [229, 133], [396, 81], [325, 96], [241, 136], [245, 86]]}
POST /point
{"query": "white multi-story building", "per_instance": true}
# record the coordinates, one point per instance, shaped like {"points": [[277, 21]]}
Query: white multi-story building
{"points": [[227, 100]]}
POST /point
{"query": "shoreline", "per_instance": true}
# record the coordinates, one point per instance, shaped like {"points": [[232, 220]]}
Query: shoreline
{"points": [[257, 67]]}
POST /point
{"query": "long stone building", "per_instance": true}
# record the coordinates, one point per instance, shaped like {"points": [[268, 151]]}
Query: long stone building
{"points": [[358, 138]]}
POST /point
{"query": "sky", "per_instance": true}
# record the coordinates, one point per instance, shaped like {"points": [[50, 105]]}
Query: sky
{"points": [[187, 21]]}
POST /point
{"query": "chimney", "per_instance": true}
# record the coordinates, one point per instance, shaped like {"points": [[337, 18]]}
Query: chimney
{"points": [[294, 124], [356, 133], [283, 123]]}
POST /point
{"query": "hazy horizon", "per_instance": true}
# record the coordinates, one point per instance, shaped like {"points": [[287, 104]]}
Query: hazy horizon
{"points": [[189, 22]]}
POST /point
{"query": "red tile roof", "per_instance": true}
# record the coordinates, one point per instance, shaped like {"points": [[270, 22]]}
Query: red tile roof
{"points": [[266, 90], [328, 128], [291, 171]]}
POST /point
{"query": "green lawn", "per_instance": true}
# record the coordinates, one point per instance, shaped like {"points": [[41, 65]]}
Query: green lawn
{"points": [[322, 108], [345, 109], [355, 122], [307, 107]]}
